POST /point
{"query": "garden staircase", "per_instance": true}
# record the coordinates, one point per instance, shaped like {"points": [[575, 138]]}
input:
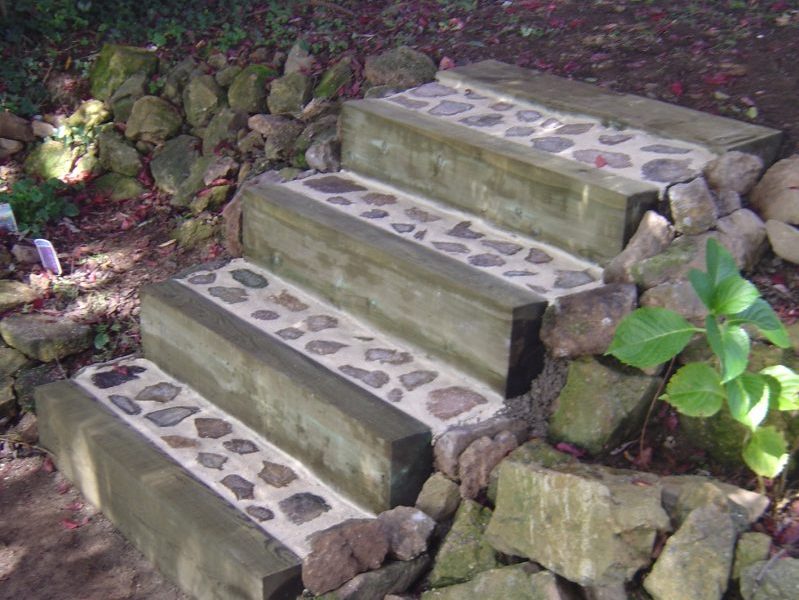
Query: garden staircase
{"points": [[303, 385]]}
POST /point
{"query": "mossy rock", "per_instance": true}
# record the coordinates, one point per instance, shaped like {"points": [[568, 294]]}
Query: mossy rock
{"points": [[117, 155], [223, 129], [116, 64], [52, 159], [126, 95], [334, 79], [89, 115], [248, 90], [401, 67], [153, 119], [201, 98], [118, 187], [192, 232], [289, 94], [172, 163]]}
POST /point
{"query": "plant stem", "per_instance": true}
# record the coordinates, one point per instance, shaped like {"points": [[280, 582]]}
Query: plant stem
{"points": [[666, 375]]}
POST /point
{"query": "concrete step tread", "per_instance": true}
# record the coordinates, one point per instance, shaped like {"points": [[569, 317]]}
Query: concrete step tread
{"points": [[594, 144], [458, 235], [270, 488], [404, 377]]}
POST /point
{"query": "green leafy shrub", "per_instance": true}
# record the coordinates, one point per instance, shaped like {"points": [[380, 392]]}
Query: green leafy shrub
{"points": [[650, 336], [36, 204]]}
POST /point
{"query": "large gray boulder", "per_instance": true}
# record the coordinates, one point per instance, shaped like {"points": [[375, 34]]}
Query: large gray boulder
{"points": [[683, 254], [408, 530], [592, 525], [524, 581], [402, 67], [776, 196], [784, 240], [734, 171], [172, 163], [766, 580], [117, 155], [202, 96], [289, 94], [125, 96], [45, 338], [223, 129], [678, 296], [392, 578], [743, 233], [152, 120], [247, 92], [439, 497], [116, 64], [693, 208], [653, 236]]}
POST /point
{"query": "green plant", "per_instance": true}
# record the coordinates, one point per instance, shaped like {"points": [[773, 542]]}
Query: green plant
{"points": [[36, 204], [650, 336]]}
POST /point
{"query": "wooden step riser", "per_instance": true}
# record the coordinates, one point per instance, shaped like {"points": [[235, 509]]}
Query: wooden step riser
{"points": [[193, 536], [485, 327], [359, 445], [584, 211]]}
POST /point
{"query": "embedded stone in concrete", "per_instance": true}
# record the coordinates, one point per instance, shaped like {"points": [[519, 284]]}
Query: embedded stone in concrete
{"points": [[612, 139], [277, 475], [667, 170], [486, 260], [316, 323], [449, 108], [377, 199], [395, 395], [439, 497], [116, 376], [567, 279], [249, 278], [482, 120], [403, 227], [240, 446], [419, 235], [125, 404], [260, 513], [693, 208], [408, 530], [479, 459], [290, 333], [665, 149], [339, 201], [463, 230], [528, 116], [230, 295], [420, 216], [375, 213], [303, 507], [502, 106], [574, 128], [290, 302], [375, 379], [265, 315], [241, 488], [653, 236], [447, 403], [212, 428], [519, 131], [324, 347], [211, 460], [202, 279], [388, 356], [599, 158], [414, 379], [168, 417], [159, 392], [520, 273], [537, 256], [552, 144], [334, 185], [409, 102], [506, 248], [179, 441], [432, 90], [452, 247]]}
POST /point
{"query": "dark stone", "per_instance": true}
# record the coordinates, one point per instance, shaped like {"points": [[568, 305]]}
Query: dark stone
{"points": [[387, 356], [265, 315], [420, 216], [414, 379], [160, 392], [260, 513], [552, 144], [520, 273], [537, 256], [574, 128], [486, 260], [453, 247], [611, 139], [666, 170], [249, 278], [519, 131], [409, 102], [202, 278], [320, 322], [339, 201], [212, 428], [617, 160], [240, 446], [211, 460], [167, 417], [449, 402], [665, 149], [125, 404], [178, 441], [240, 487], [482, 120], [474, 95], [375, 213], [395, 395], [291, 333], [324, 347], [528, 116], [290, 302], [403, 227], [502, 106], [375, 199], [432, 90], [230, 295], [551, 123], [303, 507], [332, 184], [375, 379], [506, 248], [277, 475], [419, 235], [572, 279], [461, 230], [448, 108], [537, 288], [116, 376]]}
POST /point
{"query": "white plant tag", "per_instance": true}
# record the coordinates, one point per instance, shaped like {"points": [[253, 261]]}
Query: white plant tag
{"points": [[7, 220], [48, 256]]}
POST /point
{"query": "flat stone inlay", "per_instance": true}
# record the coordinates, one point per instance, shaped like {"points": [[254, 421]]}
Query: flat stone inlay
{"points": [[277, 475], [249, 278], [241, 488], [453, 247], [486, 260], [331, 184], [211, 460], [448, 108], [482, 120], [202, 278], [552, 144], [116, 376], [290, 333], [375, 379], [506, 248], [376, 199], [265, 315], [168, 417], [388, 356], [462, 230], [421, 216], [414, 379], [432, 90], [159, 392], [288, 301], [240, 446], [323, 347], [125, 404], [179, 441], [666, 170], [260, 513], [319, 322], [450, 402], [212, 428], [231, 295], [303, 507]]}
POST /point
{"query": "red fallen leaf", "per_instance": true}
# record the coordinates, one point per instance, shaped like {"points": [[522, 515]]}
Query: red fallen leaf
{"points": [[446, 63], [47, 465], [74, 506], [600, 161], [38, 303], [677, 88], [63, 487], [717, 78], [70, 524], [570, 449]]}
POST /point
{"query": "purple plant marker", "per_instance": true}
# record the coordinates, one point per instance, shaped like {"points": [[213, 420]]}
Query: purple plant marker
{"points": [[48, 256]]}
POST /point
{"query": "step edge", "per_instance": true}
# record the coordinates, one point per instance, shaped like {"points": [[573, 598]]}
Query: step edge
{"points": [[239, 537]]}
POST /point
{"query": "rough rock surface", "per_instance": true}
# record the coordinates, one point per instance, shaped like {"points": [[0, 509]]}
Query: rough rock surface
{"points": [[115, 64], [480, 458], [125, 96], [771, 581], [341, 552], [776, 196], [784, 240], [402, 67], [678, 296], [584, 323], [14, 294], [439, 497], [117, 155], [600, 404], [683, 254], [464, 552], [201, 97], [172, 163], [696, 561], [752, 547], [743, 233], [653, 236], [524, 581], [408, 530], [247, 93], [118, 187], [594, 526], [152, 120], [45, 338], [13, 127], [289, 94], [391, 578], [223, 129], [693, 208], [334, 78], [734, 171]]}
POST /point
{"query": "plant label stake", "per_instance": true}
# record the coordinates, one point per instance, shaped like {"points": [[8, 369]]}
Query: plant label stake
{"points": [[48, 256], [7, 220]]}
